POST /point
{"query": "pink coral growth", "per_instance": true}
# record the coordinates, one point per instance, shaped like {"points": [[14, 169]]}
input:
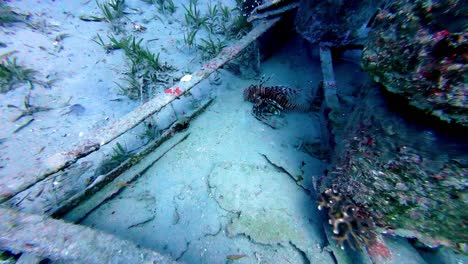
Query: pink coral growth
{"points": [[176, 91], [378, 252], [441, 34]]}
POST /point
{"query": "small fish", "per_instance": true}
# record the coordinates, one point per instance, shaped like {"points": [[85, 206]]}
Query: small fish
{"points": [[124, 184], [178, 91], [235, 257], [168, 91]]}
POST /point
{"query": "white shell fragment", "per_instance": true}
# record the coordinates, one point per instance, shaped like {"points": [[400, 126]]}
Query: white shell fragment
{"points": [[186, 78]]}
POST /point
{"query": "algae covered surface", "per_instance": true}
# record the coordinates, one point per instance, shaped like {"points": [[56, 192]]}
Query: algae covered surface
{"points": [[400, 147], [409, 175], [418, 49]]}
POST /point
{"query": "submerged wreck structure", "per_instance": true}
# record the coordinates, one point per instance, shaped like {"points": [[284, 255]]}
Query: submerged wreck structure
{"points": [[398, 159], [399, 145]]}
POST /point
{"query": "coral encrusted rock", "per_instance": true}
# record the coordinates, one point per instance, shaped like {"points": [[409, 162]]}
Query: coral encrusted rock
{"points": [[419, 50], [405, 168]]}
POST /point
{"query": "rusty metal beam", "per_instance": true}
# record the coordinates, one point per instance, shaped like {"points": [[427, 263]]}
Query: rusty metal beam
{"points": [[329, 81]]}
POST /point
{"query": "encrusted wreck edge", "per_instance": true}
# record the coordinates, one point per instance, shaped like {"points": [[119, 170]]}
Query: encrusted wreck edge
{"points": [[55, 240]]}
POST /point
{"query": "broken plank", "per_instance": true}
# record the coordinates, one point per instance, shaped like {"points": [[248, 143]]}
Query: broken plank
{"points": [[82, 204], [152, 148], [329, 82], [57, 240], [275, 12]]}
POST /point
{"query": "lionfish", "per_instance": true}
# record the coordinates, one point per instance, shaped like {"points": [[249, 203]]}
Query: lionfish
{"points": [[271, 101], [286, 97]]}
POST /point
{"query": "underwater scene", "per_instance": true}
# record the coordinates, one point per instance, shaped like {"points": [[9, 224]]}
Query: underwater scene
{"points": [[234, 131]]}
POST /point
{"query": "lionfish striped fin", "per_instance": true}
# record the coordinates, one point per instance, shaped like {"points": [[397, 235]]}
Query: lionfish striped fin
{"points": [[287, 97]]}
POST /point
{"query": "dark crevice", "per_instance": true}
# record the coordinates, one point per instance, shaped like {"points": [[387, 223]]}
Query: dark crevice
{"points": [[216, 201], [215, 233], [420, 118], [332, 255], [301, 252], [98, 205], [251, 240], [283, 170], [141, 223], [187, 245]]}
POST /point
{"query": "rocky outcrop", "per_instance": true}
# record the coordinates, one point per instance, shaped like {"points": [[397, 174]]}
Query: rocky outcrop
{"points": [[400, 148], [419, 50], [408, 172]]}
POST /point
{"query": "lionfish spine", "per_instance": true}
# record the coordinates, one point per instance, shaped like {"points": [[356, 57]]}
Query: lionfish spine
{"points": [[283, 95]]}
